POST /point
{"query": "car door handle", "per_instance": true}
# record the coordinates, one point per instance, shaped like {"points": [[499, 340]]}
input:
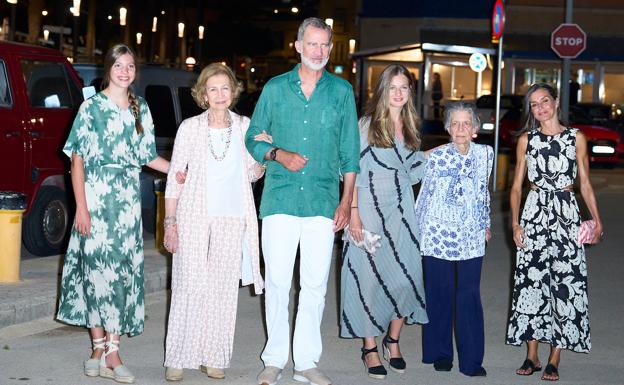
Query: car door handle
{"points": [[12, 134], [35, 134]]}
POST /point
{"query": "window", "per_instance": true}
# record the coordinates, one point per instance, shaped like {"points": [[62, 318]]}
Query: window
{"points": [[187, 103], [5, 90], [160, 102], [49, 85]]}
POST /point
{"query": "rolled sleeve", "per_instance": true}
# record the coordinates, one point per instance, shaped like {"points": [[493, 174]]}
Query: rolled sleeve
{"points": [[349, 150]]}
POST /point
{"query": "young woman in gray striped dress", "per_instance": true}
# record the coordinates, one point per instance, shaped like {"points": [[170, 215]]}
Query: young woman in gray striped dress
{"points": [[381, 292]]}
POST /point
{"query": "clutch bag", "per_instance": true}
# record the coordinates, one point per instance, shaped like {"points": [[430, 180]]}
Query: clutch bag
{"points": [[585, 231], [370, 243]]}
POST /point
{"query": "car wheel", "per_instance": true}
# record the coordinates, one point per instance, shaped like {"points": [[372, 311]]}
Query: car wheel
{"points": [[46, 226]]}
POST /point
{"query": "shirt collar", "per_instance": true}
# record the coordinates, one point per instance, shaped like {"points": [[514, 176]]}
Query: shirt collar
{"points": [[293, 77]]}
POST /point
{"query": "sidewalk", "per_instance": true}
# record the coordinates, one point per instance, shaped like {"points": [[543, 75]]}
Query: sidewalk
{"points": [[36, 295]]}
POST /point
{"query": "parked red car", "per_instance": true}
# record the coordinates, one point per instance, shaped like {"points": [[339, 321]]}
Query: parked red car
{"points": [[604, 144], [39, 96]]}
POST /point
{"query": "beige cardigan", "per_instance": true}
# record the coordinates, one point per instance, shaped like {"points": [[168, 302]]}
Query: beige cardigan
{"points": [[191, 149]]}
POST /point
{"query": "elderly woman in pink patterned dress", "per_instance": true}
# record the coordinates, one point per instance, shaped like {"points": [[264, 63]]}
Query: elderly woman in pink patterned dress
{"points": [[211, 228]]}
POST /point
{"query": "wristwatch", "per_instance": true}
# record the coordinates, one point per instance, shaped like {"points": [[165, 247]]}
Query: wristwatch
{"points": [[273, 153]]}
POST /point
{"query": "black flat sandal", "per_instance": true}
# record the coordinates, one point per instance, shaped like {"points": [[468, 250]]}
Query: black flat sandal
{"points": [[397, 364], [526, 365], [551, 370], [377, 372]]}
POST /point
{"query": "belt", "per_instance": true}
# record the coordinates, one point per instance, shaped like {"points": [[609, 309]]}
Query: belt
{"points": [[569, 188]]}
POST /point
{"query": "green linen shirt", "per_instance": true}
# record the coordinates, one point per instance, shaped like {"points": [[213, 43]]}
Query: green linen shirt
{"points": [[322, 128]]}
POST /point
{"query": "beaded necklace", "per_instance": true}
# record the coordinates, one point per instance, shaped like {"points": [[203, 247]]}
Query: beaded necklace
{"points": [[228, 140]]}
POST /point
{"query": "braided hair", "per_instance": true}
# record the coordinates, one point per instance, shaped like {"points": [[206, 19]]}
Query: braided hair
{"points": [[111, 57]]}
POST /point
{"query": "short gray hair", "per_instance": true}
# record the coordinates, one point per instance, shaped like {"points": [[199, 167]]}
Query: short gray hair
{"points": [[316, 23], [453, 107]]}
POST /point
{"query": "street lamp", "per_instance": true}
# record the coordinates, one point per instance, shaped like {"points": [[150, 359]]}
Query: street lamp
{"points": [[351, 46], [200, 31], [122, 16], [12, 26], [190, 63], [182, 45], [76, 13]]}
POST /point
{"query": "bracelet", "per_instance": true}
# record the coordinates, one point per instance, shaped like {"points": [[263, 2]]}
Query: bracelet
{"points": [[354, 207], [170, 221]]}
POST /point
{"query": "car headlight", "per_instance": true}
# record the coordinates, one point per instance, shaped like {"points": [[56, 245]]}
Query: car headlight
{"points": [[603, 149], [487, 126]]}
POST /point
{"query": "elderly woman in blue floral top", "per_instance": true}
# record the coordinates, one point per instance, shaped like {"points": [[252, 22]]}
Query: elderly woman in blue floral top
{"points": [[453, 216]]}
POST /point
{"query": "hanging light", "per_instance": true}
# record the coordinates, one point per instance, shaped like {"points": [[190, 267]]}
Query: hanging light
{"points": [[46, 34], [201, 32], [154, 24], [329, 21], [351, 45], [122, 16], [139, 35], [76, 8], [180, 30]]}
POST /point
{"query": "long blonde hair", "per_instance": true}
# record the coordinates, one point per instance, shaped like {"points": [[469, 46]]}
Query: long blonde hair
{"points": [[111, 57], [381, 130]]}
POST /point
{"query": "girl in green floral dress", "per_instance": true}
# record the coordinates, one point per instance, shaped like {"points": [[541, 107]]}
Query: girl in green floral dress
{"points": [[102, 285]]}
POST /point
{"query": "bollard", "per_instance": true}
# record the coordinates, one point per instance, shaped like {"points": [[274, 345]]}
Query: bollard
{"points": [[12, 206], [159, 233], [502, 169]]}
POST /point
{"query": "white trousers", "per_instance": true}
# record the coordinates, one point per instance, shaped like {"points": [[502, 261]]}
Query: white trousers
{"points": [[281, 234]]}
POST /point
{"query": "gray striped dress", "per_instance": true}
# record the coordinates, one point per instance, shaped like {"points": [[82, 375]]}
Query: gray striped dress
{"points": [[379, 288]]}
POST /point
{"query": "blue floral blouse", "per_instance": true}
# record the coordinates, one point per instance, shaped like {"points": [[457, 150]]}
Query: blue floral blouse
{"points": [[453, 207]]}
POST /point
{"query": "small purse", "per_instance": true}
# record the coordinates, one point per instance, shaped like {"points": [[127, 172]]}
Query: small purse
{"points": [[585, 231], [370, 243]]}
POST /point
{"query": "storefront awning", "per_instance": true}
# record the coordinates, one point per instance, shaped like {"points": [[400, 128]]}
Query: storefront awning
{"points": [[414, 52]]}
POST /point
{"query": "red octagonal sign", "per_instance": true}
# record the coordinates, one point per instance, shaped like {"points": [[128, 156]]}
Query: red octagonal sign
{"points": [[568, 41]]}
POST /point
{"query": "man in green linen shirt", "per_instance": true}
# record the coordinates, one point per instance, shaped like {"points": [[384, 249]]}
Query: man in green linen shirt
{"points": [[310, 115]]}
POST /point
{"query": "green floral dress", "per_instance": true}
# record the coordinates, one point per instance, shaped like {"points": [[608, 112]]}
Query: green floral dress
{"points": [[102, 284]]}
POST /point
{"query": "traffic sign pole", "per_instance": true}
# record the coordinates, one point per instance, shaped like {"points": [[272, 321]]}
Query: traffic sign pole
{"points": [[498, 24], [564, 92], [497, 113]]}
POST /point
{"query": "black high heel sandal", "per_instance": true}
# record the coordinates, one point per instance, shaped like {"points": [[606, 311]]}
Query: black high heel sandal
{"points": [[397, 364], [378, 372]]}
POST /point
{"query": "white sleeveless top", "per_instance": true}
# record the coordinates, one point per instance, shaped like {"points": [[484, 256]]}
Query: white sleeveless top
{"points": [[225, 177]]}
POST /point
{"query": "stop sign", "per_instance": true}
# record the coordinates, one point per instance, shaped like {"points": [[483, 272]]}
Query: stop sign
{"points": [[568, 41]]}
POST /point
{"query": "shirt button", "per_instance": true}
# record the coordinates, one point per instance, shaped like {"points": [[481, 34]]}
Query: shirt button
{"points": [[305, 138], [301, 188], [302, 173], [305, 121], [306, 106]]}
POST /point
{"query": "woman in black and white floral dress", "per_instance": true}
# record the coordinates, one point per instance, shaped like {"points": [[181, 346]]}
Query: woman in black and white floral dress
{"points": [[550, 291]]}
